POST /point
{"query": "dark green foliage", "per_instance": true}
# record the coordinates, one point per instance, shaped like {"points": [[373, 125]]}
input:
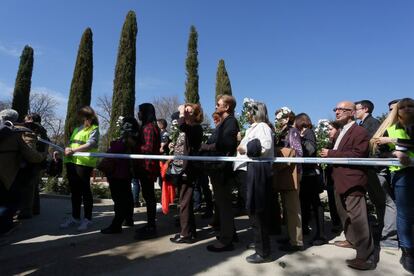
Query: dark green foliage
{"points": [[81, 86], [382, 117], [21, 92], [123, 98], [223, 85], [191, 65]]}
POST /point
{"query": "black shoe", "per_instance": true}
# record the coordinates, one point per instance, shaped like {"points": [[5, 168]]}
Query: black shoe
{"points": [[178, 239], [207, 214], [407, 259], [257, 259], [290, 248], [317, 241], [283, 240], [111, 230], [129, 223], [251, 246], [145, 233], [213, 248], [306, 230], [234, 239], [22, 216]]}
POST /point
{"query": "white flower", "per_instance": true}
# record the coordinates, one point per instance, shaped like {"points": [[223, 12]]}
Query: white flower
{"points": [[119, 121]]}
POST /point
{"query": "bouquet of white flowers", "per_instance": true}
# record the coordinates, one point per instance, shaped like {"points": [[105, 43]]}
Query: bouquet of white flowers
{"points": [[244, 117], [322, 134], [280, 115]]}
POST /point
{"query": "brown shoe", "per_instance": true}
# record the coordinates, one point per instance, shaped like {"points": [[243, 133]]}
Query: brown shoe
{"points": [[361, 264], [344, 244]]}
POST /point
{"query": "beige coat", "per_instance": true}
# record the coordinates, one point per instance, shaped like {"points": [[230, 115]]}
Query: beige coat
{"points": [[13, 150]]}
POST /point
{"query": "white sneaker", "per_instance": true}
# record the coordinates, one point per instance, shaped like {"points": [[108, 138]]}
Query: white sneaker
{"points": [[69, 222], [84, 224]]}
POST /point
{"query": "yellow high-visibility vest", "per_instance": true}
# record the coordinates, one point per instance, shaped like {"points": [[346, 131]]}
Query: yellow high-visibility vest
{"points": [[399, 133], [77, 139]]}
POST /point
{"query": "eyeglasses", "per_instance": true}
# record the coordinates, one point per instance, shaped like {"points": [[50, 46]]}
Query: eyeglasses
{"points": [[341, 109]]}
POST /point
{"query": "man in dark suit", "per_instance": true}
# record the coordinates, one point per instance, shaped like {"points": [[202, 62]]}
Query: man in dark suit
{"points": [[363, 112], [350, 187], [377, 184]]}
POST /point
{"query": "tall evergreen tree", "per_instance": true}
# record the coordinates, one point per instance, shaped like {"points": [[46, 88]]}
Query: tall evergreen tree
{"points": [[21, 93], [223, 85], [81, 86], [123, 98], [191, 65]]}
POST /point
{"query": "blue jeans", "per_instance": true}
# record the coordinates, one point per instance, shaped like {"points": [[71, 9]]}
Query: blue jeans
{"points": [[136, 188], [403, 182]]}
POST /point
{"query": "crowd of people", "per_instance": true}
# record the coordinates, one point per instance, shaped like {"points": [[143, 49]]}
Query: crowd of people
{"points": [[272, 194]]}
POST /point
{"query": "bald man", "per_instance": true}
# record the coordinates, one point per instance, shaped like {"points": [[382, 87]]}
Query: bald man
{"points": [[350, 187]]}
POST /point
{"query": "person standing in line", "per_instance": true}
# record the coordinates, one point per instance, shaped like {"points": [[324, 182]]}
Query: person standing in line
{"points": [[376, 184], [350, 187], [333, 131], [119, 175], [190, 118], [13, 150], [226, 145], [396, 134], [84, 138], [30, 175], [310, 186], [148, 170], [257, 182], [288, 136]]}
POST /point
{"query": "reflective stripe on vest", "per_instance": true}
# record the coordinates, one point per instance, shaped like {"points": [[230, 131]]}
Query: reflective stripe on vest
{"points": [[77, 139], [399, 133]]}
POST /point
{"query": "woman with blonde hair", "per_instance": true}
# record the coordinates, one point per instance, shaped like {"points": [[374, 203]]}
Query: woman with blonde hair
{"points": [[395, 138], [84, 138]]}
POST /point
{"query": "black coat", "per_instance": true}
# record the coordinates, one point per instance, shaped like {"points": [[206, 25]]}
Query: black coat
{"points": [[258, 181]]}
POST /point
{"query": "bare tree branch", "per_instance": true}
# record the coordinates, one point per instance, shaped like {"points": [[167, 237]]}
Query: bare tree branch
{"points": [[44, 105], [104, 111], [165, 106]]}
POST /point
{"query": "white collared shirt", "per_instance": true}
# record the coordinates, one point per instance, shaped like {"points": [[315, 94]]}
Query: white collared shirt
{"points": [[342, 134]]}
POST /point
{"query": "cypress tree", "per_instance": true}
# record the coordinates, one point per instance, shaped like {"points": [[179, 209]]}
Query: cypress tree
{"points": [[123, 98], [21, 93], [81, 86], [223, 85], [191, 64]]}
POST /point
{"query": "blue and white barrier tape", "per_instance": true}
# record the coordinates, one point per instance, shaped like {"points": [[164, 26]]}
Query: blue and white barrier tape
{"points": [[298, 160]]}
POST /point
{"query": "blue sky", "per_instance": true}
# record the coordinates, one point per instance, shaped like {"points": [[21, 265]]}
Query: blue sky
{"points": [[304, 54]]}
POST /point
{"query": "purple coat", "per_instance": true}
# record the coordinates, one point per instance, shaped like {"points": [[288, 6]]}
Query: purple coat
{"points": [[122, 167]]}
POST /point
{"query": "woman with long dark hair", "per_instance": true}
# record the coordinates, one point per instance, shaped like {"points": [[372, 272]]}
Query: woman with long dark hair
{"points": [[310, 186], [148, 170]]}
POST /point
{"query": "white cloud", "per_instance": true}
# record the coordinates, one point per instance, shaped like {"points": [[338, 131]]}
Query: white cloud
{"points": [[9, 51], [16, 50]]}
